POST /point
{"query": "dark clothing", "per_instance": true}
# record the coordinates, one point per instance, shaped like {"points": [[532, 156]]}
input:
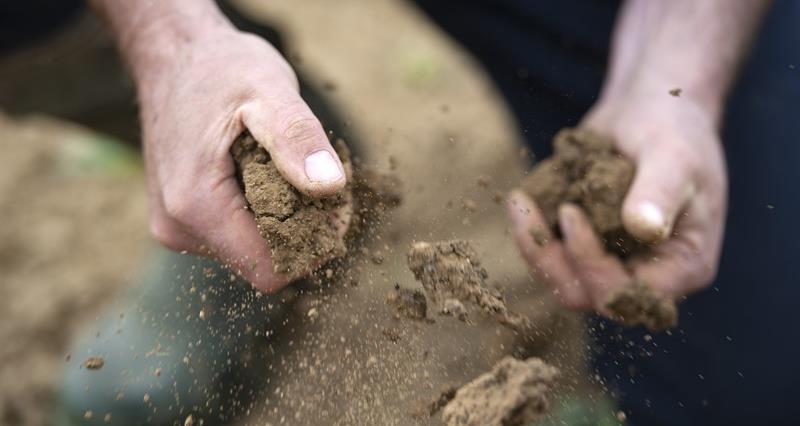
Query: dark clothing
{"points": [[733, 358], [23, 22]]}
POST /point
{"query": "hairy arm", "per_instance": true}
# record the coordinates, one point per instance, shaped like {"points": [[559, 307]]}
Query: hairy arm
{"points": [[201, 83], [693, 45], [678, 198]]}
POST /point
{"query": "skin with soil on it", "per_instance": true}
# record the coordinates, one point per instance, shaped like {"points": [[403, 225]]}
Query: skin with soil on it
{"points": [[587, 171], [300, 231]]}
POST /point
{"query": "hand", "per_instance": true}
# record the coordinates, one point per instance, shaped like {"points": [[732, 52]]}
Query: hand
{"points": [[195, 101], [677, 201]]}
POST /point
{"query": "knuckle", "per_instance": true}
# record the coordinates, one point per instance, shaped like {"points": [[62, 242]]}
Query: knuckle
{"points": [[178, 205], [301, 127], [165, 234]]}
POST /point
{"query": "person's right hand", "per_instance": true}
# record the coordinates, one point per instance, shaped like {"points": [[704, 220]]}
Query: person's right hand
{"points": [[195, 101]]}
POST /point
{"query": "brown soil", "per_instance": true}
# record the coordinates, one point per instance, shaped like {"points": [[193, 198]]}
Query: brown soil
{"points": [[514, 393], [410, 303], [636, 304], [94, 363], [585, 170], [453, 278], [301, 232], [451, 270]]}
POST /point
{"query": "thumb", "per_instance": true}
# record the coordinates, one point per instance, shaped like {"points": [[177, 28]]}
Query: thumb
{"points": [[661, 188], [296, 141]]}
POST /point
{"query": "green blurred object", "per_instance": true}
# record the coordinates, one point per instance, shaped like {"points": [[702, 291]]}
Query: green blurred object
{"points": [[191, 339], [580, 411], [420, 68], [97, 155]]}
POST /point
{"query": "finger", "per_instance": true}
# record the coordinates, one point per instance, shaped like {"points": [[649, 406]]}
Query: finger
{"points": [[297, 143], [684, 264], [233, 235], [600, 273], [661, 188], [543, 253], [167, 231]]}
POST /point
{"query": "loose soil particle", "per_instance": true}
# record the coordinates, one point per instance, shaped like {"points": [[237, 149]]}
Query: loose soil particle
{"points": [[514, 393], [94, 363], [636, 304], [587, 171], [410, 303]]}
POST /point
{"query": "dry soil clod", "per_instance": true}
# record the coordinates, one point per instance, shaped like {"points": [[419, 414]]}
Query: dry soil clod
{"points": [[300, 231], [453, 279], [513, 393]]}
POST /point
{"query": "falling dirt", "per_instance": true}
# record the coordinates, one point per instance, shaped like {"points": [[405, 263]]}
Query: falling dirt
{"points": [[636, 304], [514, 393], [410, 303], [301, 232], [453, 278], [94, 363], [586, 170]]}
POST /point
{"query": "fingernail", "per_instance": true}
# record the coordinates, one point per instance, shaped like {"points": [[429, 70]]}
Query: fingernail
{"points": [[653, 217], [566, 220], [322, 167]]}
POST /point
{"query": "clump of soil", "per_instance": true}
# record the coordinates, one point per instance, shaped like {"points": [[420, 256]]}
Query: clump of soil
{"points": [[636, 304], [452, 276], [410, 303], [513, 393], [451, 270], [587, 171], [301, 232]]}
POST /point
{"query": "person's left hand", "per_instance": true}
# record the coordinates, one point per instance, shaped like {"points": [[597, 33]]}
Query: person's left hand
{"points": [[677, 202]]}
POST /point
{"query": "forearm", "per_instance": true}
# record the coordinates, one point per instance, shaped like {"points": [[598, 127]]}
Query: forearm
{"points": [[152, 32], [696, 46]]}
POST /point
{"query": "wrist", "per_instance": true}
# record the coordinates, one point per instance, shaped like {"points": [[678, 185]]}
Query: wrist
{"points": [[159, 36], [654, 87]]}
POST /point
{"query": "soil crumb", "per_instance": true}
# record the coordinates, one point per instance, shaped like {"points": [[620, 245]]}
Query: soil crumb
{"points": [[636, 304], [410, 303], [300, 231], [514, 393], [94, 363], [441, 400], [587, 171]]}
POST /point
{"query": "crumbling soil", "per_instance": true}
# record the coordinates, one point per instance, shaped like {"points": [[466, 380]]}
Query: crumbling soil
{"points": [[587, 171], [513, 393], [453, 278], [451, 270], [301, 232], [410, 303], [636, 304]]}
